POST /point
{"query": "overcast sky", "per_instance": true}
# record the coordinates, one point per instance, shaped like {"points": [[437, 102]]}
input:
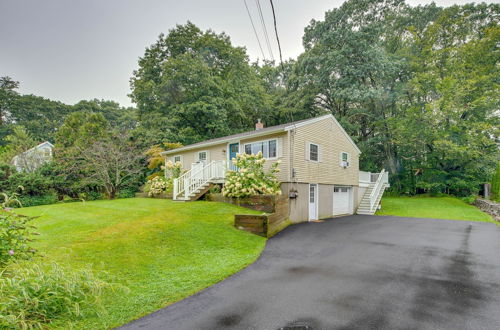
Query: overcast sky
{"points": [[70, 50]]}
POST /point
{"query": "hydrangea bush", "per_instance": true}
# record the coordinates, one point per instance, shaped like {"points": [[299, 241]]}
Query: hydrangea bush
{"points": [[159, 184], [173, 170], [250, 178]]}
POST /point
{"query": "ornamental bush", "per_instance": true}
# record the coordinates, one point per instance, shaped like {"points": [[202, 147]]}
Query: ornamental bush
{"points": [[250, 178], [157, 186], [173, 170]]}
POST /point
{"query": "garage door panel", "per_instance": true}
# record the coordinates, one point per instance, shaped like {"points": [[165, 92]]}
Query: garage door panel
{"points": [[341, 200]]}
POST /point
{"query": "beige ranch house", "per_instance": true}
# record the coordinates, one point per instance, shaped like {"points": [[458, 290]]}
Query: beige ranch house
{"points": [[319, 169]]}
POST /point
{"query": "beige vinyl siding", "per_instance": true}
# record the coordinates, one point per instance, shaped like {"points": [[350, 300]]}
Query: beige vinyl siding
{"points": [[219, 152], [216, 152], [332, 141], [283, 152]]}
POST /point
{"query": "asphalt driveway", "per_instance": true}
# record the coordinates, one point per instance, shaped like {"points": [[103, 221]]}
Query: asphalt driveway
{"points": [[356, 272]]}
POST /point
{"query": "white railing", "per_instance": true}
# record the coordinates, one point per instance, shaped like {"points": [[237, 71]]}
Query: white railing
{"points": [[192, 180], [379, 184], [369, 177], [365, 177]]}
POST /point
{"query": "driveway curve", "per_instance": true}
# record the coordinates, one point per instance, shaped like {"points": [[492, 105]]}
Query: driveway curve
{"points": [[356, 272]]}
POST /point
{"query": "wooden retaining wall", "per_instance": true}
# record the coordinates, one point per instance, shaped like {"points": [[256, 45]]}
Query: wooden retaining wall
{"points": [[265, 225]]}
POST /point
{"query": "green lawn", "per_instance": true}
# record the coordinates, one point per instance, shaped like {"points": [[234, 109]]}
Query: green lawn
{"points": [[161, 250], [432, 207]]}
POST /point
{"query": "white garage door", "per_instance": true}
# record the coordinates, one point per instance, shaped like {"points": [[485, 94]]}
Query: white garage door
{"points": [[341, 200]]}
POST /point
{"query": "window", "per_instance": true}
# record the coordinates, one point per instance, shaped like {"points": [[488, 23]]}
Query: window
{"points": [[178, 158], [202, 156], [313, 152], [312, 193], [344, 159], [268, 148]]}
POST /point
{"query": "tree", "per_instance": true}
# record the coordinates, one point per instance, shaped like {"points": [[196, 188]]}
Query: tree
{"points": [[495, 184], [40, 116], [112, 163], [200, 85], [8, 94], [118, 117], [18, 142], [417, 88], [82, 128]]}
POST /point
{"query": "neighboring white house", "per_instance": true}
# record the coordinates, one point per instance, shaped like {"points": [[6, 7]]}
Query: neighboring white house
{"points": [[33, 158]]}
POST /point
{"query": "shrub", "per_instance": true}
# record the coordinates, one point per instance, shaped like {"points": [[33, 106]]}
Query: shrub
{"points": [[35, 294], [127, 193], [173, 170], [469, 199], [90, 196], [495, 185], [27, 200], [251, 179], [34, 183], [15, 236], [157, 186]]}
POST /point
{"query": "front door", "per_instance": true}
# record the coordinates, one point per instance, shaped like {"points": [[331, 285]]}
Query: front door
{"points": [[313, 202], [234, 148]]}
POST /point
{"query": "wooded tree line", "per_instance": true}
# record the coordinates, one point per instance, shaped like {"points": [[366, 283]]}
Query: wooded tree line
{"points": [[416, 87]]}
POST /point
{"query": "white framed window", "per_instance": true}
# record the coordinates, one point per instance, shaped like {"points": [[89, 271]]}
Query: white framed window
{"points": [[269, 148], [313, 152], [203, 156], [344, 159], [178, 158]]}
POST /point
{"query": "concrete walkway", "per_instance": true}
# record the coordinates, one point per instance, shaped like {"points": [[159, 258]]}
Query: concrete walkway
{"points": [[356, 272]]}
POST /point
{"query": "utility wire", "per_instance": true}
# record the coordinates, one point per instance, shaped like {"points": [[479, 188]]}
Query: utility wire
{"points": [[254, 30], [277, 37], [265, 29]]}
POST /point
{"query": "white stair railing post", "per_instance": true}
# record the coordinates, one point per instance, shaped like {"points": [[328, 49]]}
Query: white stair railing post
{"points": [[193, 179], [376, 190], [176, 188]]}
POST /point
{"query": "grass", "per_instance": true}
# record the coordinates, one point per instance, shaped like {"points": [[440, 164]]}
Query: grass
{"points": [[162, 251], [432, 207]]}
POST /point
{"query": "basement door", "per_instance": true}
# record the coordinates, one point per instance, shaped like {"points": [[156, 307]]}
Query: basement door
{"points": [[342, 200], [313, 201]]}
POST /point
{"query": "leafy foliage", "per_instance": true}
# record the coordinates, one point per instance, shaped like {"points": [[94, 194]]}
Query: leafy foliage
{"points": [[417, 88], [202, 86], [251, 178], [36, 294], [16, 235], [495, 184]]}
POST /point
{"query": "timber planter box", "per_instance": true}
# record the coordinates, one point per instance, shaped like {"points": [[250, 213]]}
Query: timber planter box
{"points": [[267, 225]]}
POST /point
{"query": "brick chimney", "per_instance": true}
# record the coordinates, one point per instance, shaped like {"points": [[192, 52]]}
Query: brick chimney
{"points": [[259, 125]]}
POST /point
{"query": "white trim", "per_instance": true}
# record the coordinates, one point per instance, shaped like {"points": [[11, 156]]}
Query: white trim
{"points": [[341, 159], [207, 159], [350, 202], [180, 159], [228, 152], [316, 201], [224, 141], [267, 132], [268, 140], [307, 122], [314, 120], [308, 150]]}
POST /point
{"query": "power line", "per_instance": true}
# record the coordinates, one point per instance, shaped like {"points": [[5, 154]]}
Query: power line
{"points": [[265, 29], [254, 30], [277, 38]]}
